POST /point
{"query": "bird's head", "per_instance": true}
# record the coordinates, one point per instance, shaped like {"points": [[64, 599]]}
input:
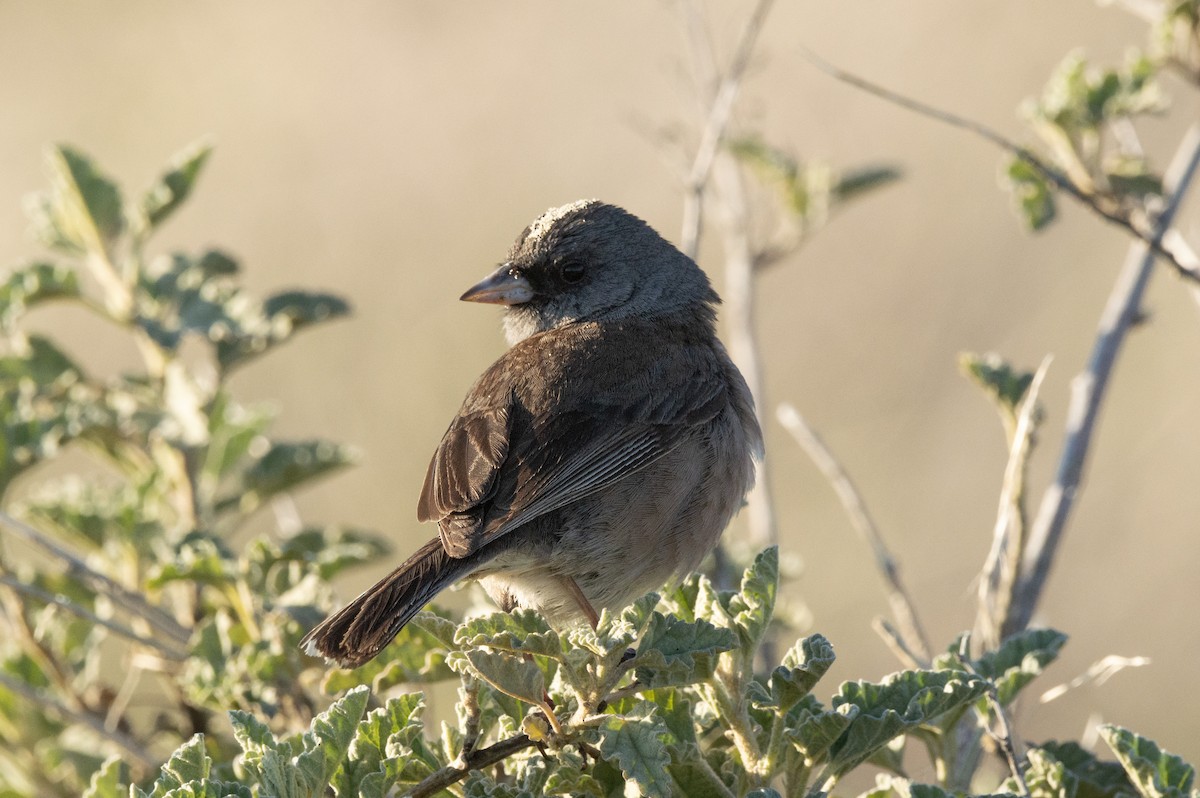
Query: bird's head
{"points": [[589, 261]]}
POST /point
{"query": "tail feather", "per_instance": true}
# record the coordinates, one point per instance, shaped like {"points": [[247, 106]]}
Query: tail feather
{"points": [[359, 631]]}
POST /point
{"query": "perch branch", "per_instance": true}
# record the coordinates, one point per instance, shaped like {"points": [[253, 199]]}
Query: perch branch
{"points": [[475, 760]]}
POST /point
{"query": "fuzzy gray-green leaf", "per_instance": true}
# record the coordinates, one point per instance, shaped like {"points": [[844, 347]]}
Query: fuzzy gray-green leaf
{"points": [[82, 211], [1019, 660], [1154, 772], [901, 702], [635, 742], [518, 678]]}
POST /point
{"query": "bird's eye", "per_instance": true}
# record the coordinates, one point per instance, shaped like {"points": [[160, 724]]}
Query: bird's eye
{"points": [[571, 271]]}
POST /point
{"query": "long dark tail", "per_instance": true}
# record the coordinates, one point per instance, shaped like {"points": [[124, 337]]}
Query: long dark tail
{"points": [[360, 630]]}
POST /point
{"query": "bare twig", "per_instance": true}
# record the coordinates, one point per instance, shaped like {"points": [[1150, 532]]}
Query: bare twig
{"points": [[1000, 574], [1088, 390], [476, 760], [168, 651], [121, 596], [1187, 256], [719, 112], [911, 633], [123, 741], [1145, 231], [897, 645], [718, 93], [1100, 672], [1003, 736]]}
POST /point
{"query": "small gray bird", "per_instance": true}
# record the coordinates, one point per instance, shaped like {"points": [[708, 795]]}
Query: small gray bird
{"points": [[601, 455]]}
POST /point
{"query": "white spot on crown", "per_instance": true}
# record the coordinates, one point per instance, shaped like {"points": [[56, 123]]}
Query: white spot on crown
{"points": [[547, 220]]}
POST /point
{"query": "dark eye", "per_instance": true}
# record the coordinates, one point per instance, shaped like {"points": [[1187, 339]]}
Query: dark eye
{"points": [[571, 271]]}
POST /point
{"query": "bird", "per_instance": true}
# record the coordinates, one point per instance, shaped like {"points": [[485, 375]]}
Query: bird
{"points": [[600, 457]]}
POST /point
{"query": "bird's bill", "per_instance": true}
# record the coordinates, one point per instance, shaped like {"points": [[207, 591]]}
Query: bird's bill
{"points": [[505, 286]]}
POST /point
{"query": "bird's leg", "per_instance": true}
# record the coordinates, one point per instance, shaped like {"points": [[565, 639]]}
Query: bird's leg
{"points": [[582, 601]]}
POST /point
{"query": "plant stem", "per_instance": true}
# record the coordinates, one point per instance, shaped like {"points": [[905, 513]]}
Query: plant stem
{"points": [[911, 632], [1149, 234], [476, 760], [1088, 390]]}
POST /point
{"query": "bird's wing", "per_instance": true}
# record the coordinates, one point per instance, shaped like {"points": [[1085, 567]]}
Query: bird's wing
{"points": [[501, 467]]}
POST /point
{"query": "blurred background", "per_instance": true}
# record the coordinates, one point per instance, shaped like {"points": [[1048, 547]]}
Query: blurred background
{"points": [[391, 152]]}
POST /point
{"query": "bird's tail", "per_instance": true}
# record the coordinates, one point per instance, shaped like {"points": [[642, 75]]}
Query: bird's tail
{"points": [[360, 630]]}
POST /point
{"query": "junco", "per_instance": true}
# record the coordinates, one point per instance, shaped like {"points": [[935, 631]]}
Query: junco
{"points": [[601, 455]]}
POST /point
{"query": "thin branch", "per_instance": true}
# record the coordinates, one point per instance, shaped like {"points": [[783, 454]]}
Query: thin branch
{"points": [[1002, 569], [127, 744], [132, 602], [720, 111], [1088, 390], [1004, 736], [719, 92], [912, 634], [1148, 234], [476, 760], [1187, 256], [63, 602], [1099, 672], [897, 645]]}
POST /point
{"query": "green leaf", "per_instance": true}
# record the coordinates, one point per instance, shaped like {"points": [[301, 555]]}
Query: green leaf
{"points": [[286, 773], [862, 180], [1154, 772], [521, 631], [1007, 386], [32, 285], [1095, 779], [1033, 194], [371, 769], [813, 730], [519, 678], [1019, 659], [282, 315], [82, 211], [887, 784], [43, 364], [635, 742], [190, 762], [329, 736], [174, 186], [901, 702], [752, 607], [284, 467], [207, 788], [675, 652], [1046, 777], [106, 782], [199, 557], [803, 666]]}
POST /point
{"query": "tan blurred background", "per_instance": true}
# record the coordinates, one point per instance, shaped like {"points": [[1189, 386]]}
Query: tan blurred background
{"points": [[391, 152]]}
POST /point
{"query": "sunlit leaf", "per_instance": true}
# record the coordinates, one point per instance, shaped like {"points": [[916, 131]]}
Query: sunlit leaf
{"points": [[174, 185], [635, 742], [1154, 772]]}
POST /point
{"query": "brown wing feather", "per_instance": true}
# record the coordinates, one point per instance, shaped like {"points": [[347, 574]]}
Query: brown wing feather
{"points": [[499, 467]]}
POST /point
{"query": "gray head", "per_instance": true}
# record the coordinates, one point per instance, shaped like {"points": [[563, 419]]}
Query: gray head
{"points": [[589, 261]]}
